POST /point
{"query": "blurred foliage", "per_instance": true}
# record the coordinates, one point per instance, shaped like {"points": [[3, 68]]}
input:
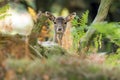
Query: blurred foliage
{"points": [[59, 68], [3, 11], [79, 6], [106, 39], [79, 28], [97, 41], [109, 30], [41, 51], [40, 22], [113, 60], [1, 0]]}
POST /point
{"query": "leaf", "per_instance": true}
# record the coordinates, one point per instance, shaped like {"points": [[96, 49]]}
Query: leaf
{"points": [[110, 30], [84, 19]]}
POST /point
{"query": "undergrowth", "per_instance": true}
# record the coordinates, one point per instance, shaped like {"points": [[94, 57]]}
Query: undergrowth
{"points": [[110, 30], [106, 38], [60, 68], [79, 28]]}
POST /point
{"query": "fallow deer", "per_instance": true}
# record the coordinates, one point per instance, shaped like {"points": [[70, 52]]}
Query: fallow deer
{"points": [[60, 24]]}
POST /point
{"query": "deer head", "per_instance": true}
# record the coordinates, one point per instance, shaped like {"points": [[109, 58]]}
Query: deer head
{"points": [[60, 24]]}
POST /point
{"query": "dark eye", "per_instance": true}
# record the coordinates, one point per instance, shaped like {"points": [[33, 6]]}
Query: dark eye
{"points": [[65, 23], [54, 22]]}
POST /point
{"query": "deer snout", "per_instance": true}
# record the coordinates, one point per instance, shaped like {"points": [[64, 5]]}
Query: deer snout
{"points": [[59, 30]]}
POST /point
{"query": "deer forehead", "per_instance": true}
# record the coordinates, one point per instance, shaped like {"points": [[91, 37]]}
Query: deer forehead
{"points": [[60, 19]]}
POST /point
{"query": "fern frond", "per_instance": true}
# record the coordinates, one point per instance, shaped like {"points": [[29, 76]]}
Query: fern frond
{"points": [[110, 30], [84, 19], [79, 27]]}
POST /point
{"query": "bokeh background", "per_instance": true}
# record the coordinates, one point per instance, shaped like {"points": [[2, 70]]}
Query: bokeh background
{"points": [[58, 6]]}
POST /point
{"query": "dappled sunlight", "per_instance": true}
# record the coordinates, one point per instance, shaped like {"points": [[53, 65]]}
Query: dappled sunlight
{"points": [[16, 23]]}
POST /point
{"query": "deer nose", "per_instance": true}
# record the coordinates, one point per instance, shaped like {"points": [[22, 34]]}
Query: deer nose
{"points": [[60, 29]]}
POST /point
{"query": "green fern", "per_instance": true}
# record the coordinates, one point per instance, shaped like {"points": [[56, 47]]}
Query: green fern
{"points": [[98, 41], [110, 30], [84, 19], [79, 27]]}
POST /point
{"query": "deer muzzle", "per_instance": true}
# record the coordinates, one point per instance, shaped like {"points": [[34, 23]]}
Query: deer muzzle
{"points": [[59, 30]]}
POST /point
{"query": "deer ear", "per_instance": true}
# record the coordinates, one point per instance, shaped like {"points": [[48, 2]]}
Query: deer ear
{"points": [[50, 16], [39, 14], [70, 16]]}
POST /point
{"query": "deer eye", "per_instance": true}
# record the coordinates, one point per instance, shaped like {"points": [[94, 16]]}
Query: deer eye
{"points": [[54, 22], [65, 23]]}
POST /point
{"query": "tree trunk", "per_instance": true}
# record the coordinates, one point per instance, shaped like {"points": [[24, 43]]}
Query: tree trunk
{"points": [[101, 15]]}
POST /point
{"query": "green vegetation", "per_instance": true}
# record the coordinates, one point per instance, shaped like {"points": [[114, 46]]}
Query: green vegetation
{"points": [[79, 27], [59, 68], [3, 11], [110, 30]]}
